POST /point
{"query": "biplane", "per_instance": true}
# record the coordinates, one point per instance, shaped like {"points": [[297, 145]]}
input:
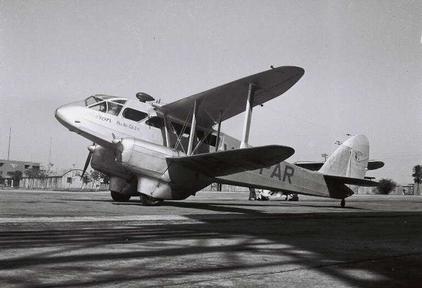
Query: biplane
{"points": [[171, 151]]}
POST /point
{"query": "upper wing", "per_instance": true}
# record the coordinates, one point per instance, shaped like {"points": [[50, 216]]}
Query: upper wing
{"points": [[230, 99], [233, 161]]}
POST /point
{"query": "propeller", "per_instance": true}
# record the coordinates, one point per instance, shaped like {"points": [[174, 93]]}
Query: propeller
{"points": [[88, 159], [91, 151]]}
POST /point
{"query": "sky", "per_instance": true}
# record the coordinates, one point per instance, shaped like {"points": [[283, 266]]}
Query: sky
{"points": [[362, 61]]}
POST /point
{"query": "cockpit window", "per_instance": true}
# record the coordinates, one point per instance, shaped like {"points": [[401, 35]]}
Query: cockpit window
{"points": [[102, 107], [92, 100], [119, 101], [113, 108], [134, 115], [104, 97], [107, 107]]}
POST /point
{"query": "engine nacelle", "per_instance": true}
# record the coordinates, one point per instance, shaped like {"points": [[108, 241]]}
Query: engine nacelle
{"points": [[146, 158], [103, 160], [148, 161]]}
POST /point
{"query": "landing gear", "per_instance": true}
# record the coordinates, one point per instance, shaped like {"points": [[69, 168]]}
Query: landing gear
{"points": [[252, 194], [343, 203], [149, 201], [119, 197]]}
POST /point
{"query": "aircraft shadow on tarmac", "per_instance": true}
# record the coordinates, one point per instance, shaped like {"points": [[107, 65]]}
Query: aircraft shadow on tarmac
{"points": [[235, 207], [217, 207], [355, 250], [226, 207]]}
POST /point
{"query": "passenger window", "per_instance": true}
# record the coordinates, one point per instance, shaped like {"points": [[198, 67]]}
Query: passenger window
{"points": [[155, 122], [114, 109], [102, 107], [134, 115]]}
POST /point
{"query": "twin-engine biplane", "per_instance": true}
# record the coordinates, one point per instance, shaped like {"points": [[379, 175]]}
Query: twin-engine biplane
{"points": [[171, 151]]}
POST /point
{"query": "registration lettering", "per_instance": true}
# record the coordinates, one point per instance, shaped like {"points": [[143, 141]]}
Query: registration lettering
{"points": [[289, 171]]}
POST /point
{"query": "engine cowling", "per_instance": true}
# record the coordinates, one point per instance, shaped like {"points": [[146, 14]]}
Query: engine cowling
{"points": [[148, 161], [103, 160], [145, 158]]}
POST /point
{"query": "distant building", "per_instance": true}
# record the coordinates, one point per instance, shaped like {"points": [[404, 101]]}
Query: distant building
{"points": [[409, 189], [67, 180], [8, 169]]}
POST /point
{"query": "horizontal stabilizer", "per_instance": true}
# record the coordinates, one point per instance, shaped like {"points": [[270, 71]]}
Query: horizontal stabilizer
{"points": [[315, 166], [233, 161], [373, 164], [351, 181]]}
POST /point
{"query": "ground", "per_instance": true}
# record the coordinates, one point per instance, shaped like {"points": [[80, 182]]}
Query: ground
{"points": [[63, 239]]}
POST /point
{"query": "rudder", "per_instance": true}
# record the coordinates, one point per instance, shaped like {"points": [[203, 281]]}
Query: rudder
{"points": [[350, 159]]}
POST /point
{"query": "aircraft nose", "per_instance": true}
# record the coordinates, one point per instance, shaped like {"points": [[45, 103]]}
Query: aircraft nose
{"points": [[66, 116], [60, 114]]}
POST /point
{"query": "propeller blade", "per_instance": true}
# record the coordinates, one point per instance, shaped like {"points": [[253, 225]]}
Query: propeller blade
{"points": [[88, 159]]}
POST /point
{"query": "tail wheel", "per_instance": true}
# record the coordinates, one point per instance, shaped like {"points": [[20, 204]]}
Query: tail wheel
{"points": [[119, 197], [149, 201], [343, 203]]}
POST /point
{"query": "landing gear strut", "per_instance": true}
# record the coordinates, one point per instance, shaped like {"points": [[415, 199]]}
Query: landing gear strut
{"points": [[119, 197], [343, 203], [149, 201]]}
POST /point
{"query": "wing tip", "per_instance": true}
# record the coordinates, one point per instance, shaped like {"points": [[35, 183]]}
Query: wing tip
{"points": [[284, 150], [299, 71]]}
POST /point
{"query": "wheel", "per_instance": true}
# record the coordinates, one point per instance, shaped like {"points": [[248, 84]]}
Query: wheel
{"points": [[119, 197], [149, 201], [343, 203]]}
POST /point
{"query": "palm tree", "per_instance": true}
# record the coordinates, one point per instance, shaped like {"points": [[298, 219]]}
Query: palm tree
{"points": [[417, 177]]}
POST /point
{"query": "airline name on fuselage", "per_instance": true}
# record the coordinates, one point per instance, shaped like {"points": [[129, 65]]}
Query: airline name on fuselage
{"points": [[103, 118], [118, 122]]}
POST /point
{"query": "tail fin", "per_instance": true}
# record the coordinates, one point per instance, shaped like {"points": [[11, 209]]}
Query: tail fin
{"points": [[350, 159]]}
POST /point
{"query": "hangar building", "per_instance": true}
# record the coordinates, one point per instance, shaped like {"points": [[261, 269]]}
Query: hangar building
{"points": [[8, 170]]}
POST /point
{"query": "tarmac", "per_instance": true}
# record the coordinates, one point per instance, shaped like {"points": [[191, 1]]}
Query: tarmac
{"points": [[215, 239]]}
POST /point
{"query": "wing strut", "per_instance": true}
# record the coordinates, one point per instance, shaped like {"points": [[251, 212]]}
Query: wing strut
{"points": [[217, 142], [248, 116], [166, 130], [192, 130]]}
